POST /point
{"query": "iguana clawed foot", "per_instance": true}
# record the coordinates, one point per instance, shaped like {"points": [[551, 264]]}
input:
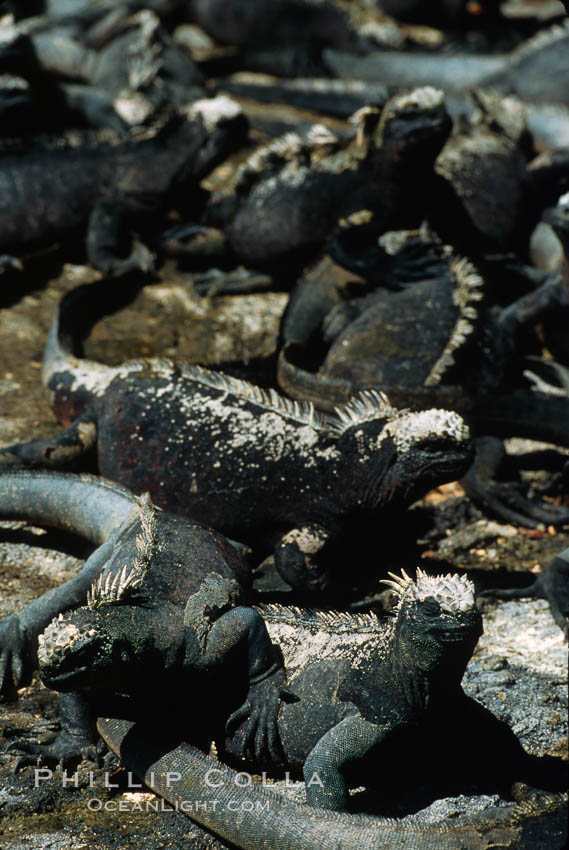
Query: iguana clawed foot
{"points": [[259, 737], [551, 584], [67, 750]]}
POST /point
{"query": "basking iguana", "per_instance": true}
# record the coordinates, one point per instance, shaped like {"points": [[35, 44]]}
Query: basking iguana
{"points": [[359, 690], [289, 195], [126, 54], [193, 623], [463, 358], [271, 472], [47, 195]]}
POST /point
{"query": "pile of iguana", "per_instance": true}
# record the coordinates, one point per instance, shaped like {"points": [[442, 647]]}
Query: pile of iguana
{"points": [[192, 577], [463, 358], [288, 197], [158, 631], [155, 623], [266, 470]]}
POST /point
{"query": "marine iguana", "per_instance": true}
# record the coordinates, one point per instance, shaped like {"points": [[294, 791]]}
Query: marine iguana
{"points": [[128, 55], [359, 688], [463, 359], [34, 101], [289, 196], [258, 467], [48, 195], [184, 586]]}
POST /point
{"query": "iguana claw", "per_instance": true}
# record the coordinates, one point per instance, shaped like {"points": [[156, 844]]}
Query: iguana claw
{"points": [[258, 736], [66, 750]]}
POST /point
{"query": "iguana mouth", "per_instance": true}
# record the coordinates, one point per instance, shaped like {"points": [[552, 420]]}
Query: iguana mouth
{"points": [[54, 680], [454, 635]]}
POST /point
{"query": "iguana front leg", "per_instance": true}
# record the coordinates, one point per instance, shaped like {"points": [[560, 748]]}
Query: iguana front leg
{"points": [[76, 740], [298, 557], [213, 635], [19, 632], [108, 238], [352, 738]]}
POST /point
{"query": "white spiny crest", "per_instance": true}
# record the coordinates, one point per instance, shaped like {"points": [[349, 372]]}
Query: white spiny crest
{"points": [[426, 97], [453, 592], [363, 407], [111, 588], [145, 540], [319, 620], [467, 291], [301, 411], [402, 585]]}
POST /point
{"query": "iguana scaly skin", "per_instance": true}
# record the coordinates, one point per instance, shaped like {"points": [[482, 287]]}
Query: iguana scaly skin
{"points": [[180, 585], [258, 467], [287, 825], [355, 684]]}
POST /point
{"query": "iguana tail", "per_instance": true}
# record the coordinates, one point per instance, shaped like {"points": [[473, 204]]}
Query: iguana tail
{"points": [[327, 392], [83, 504], [398, 68], [254, 818], [523, 413], [73, 380]]}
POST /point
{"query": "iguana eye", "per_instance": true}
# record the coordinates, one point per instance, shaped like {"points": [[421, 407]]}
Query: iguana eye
{"points": [[430, 606]]}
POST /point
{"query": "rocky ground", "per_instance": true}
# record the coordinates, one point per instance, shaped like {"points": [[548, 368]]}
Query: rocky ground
{"points": [[518, 670]]}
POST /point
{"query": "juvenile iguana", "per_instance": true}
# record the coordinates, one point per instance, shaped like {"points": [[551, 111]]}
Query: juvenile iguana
{"points": [[199, 584], [359, 688], [262, 469]]}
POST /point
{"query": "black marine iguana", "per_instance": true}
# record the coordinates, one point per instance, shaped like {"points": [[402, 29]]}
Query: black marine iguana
{"points": [[462, 359], [289, 195], [358, 688], [126, 54], [191, 619], [45, 196], [258, 467]]}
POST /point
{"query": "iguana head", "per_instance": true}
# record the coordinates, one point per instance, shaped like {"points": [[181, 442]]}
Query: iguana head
{"points": [[93, 647], [71, 647], [414, 125], [399, 455], [437, 623], [96, 642]]}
